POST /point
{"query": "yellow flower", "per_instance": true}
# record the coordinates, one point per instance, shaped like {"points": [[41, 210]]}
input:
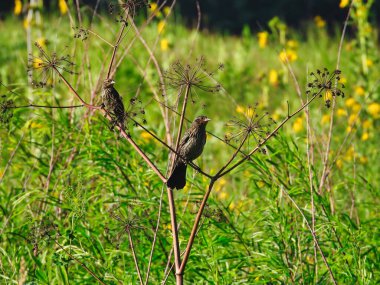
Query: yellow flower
{"points": [[223, 195], [374, 110], [349, 129], [63, 7], [289, 55], [339, 163], [367, 124], [298, 125], [240, 109], [319, 21], [161, 26], [41, 42], [37, 62], [359, 90], [166, 10], [356, 108], [292, 44], [26, 23], [263, 39], [341, 112], [164, 43], [146, 136], [365, 136], [325, 119], [35, 125], [343, 3], [363, 160], [343, 80], [352, 119], [273, 77], [369, 62], [18, 7], [232, 205], [153, 6], [350, 102]]}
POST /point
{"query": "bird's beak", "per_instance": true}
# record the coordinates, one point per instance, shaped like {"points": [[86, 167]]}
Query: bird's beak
{"points": [[207, 119], [112, 82]]}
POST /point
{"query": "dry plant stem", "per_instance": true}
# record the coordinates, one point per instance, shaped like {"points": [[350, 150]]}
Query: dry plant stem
{"points": [[154, 237], [142, 154], [46, 106], [195, 226], [159, 72], [124, 134], [73, 90], [173, 216], [314, 237], [80, 263], [152, 56], [115, 49], [177, 252], [327, 152], [134, 256]]}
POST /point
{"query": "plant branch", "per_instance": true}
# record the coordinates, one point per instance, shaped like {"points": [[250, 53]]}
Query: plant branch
{"points": [[134, 256]]}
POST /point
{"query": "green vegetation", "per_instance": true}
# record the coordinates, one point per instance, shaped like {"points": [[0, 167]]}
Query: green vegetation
{"points": [[76, 199]]}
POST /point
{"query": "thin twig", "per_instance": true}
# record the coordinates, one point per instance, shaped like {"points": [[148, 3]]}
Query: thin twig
{"points": [[134, 256], [329, 138]]}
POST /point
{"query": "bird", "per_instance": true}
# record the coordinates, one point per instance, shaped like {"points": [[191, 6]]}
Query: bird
{"points": [[113, 103], [190, 147]]}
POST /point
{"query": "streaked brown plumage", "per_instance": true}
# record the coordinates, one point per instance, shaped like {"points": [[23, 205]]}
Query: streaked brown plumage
{"points": [[190, 147], [113, 102]]}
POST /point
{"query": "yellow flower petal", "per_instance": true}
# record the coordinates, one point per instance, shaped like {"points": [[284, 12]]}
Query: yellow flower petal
{"points": [[273, 77], [325, 119], [298, 125], [319, 21], [63, 7], [359, 90], [350, 102], [365, 136], [263, 39], [343, 3], [341, 112], [161, 26], [288, 55], [164, 44], [18, 7], [374, 110]]}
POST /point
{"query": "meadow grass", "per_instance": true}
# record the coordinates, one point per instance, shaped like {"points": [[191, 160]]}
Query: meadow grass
{"points": [[73, 194]]}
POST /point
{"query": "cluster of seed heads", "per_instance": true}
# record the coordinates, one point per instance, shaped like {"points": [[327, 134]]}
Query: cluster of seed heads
{"points": [[326, 85], [127, 7], [45, 67], [251, 124], [6, 110], [81, 33]]}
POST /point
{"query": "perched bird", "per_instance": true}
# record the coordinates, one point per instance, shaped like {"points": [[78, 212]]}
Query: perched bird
{"points": [[190, 147], [113, 103]]}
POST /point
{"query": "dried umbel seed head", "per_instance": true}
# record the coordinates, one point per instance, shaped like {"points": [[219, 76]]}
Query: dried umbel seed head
{"points": [[325, 84], [192, 76], [81, 33], [128, 7], [250, 123], [6, 110], [42, 69]]}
